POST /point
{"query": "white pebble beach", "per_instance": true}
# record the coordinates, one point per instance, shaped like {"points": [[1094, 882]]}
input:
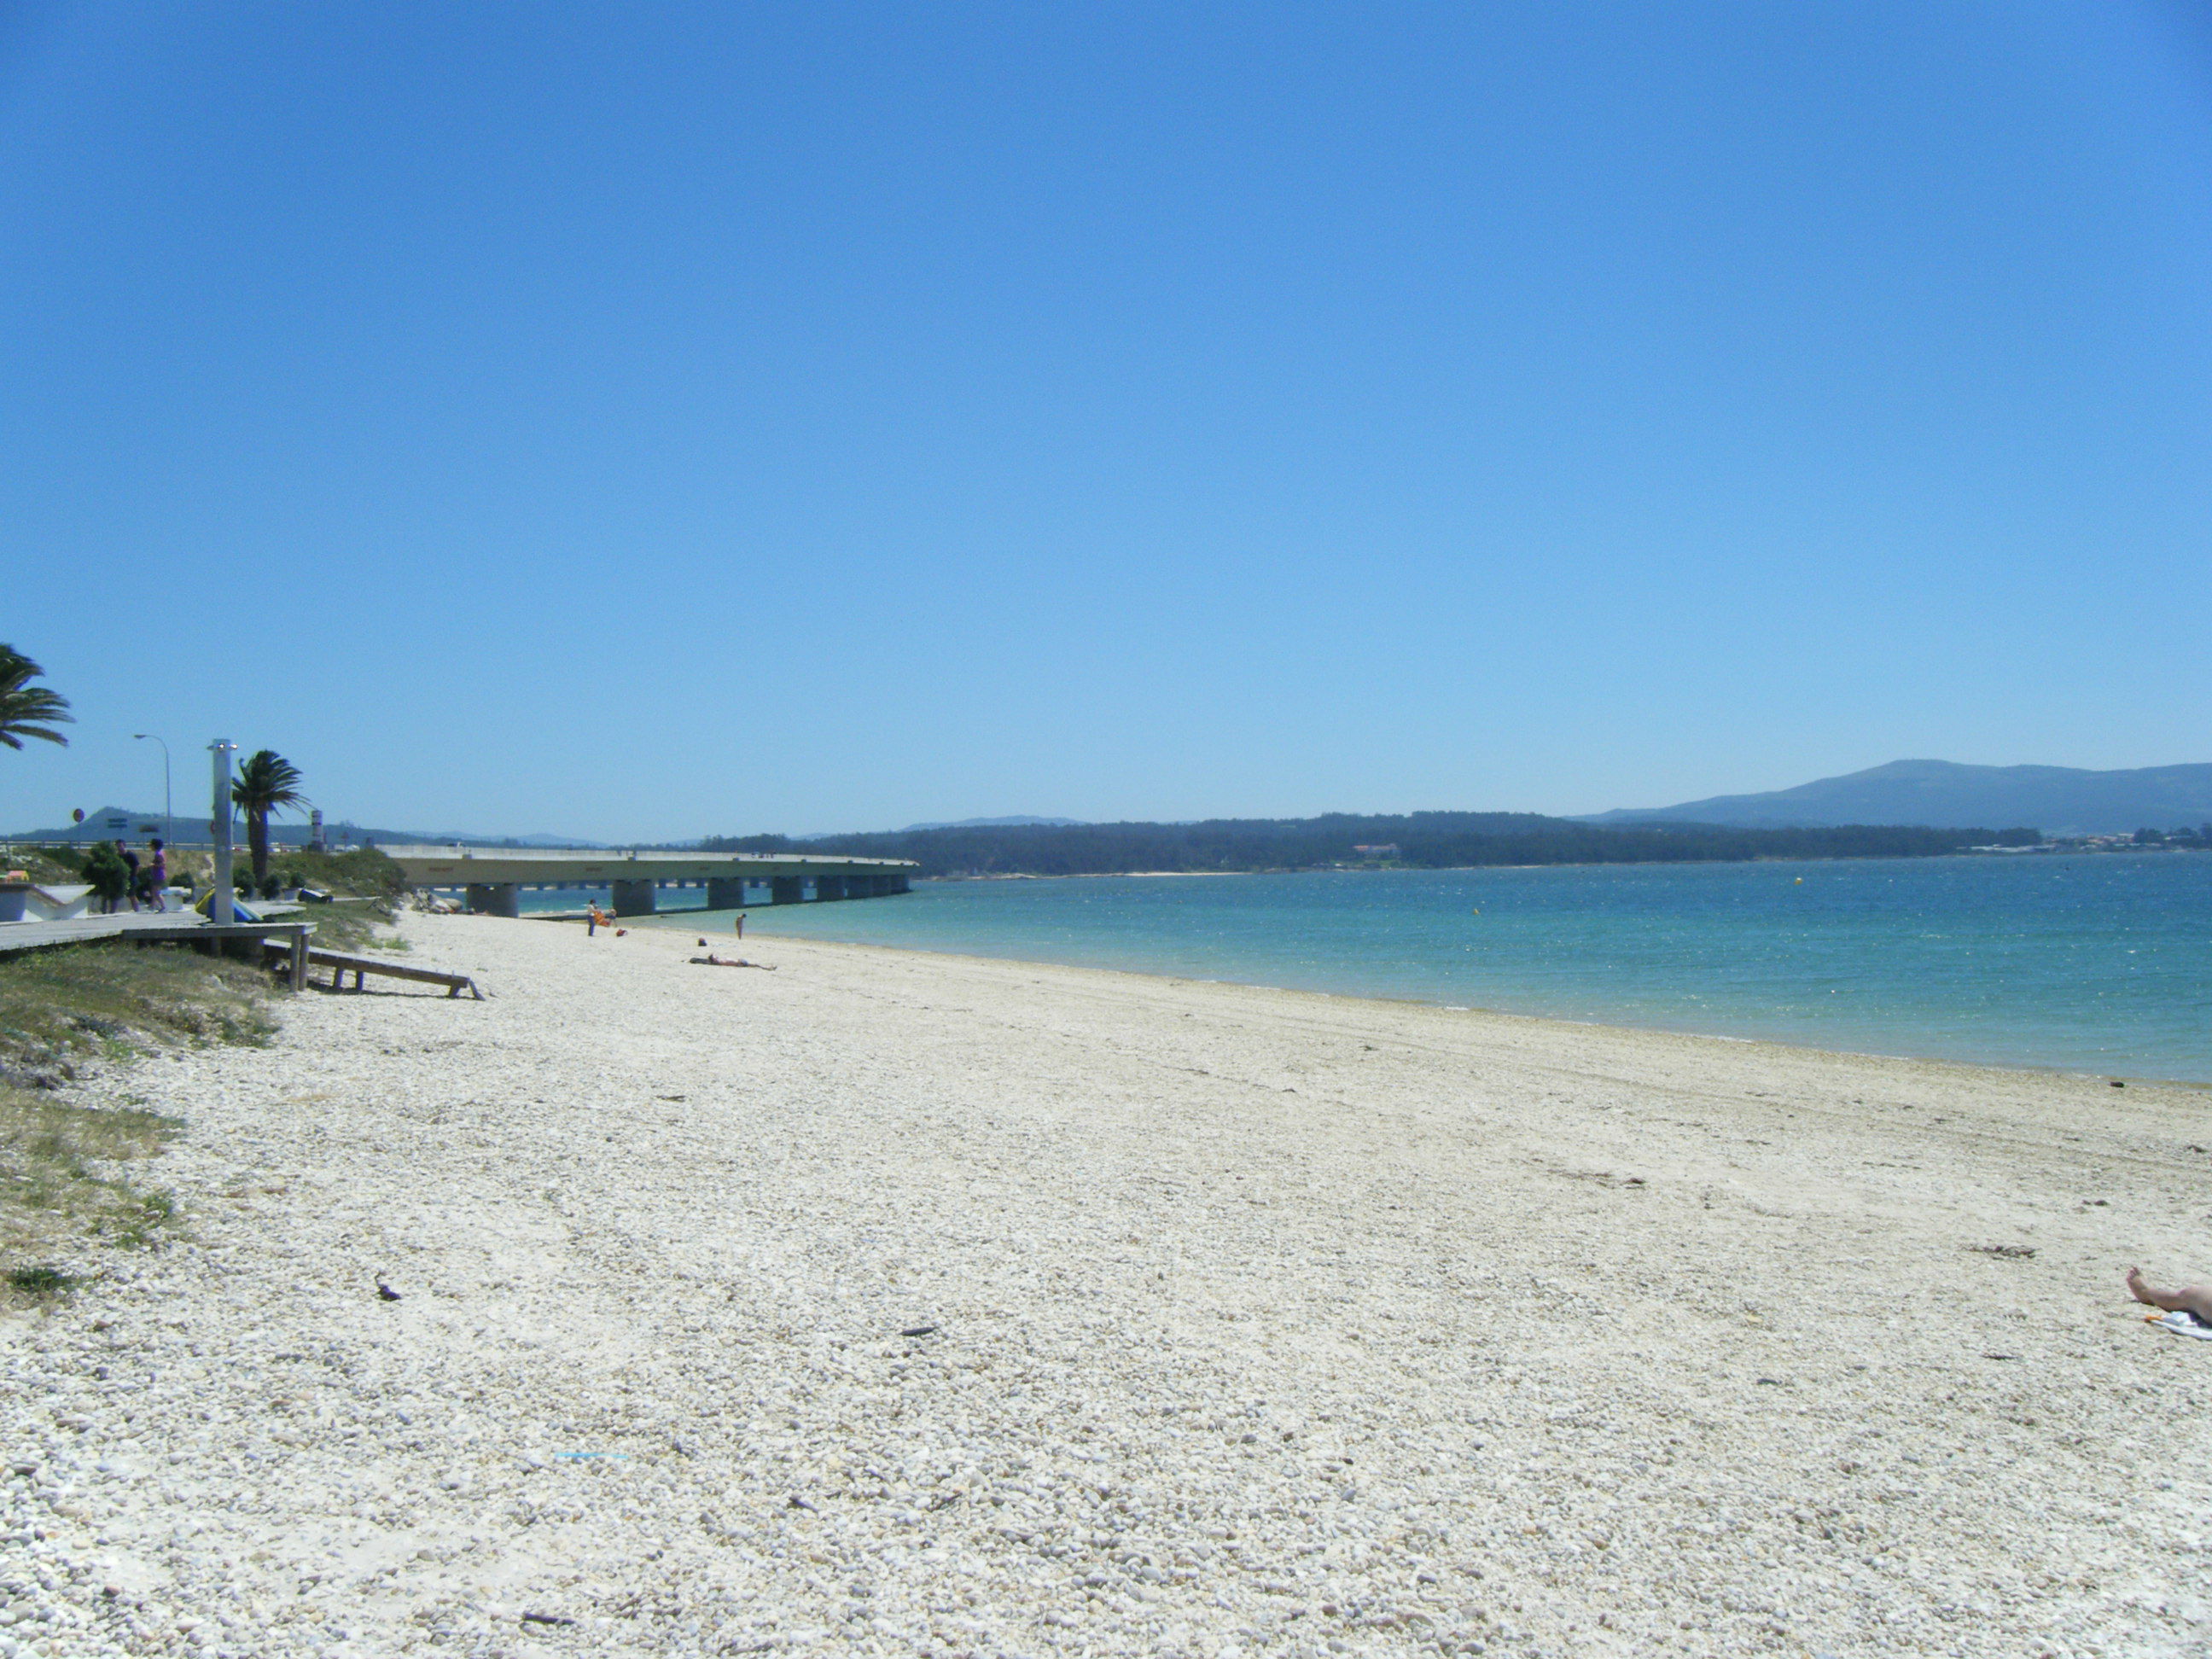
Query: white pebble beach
{"points": [[903, 1303]]}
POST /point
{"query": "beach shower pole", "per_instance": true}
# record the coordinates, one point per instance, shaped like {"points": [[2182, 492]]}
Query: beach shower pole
{"points": [[168, 801], [219, 902]]}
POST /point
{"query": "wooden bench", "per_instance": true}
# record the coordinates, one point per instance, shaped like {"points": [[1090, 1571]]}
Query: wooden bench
{"points": [[341, 965]]}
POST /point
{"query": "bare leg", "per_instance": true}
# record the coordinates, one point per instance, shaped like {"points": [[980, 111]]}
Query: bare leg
{"points": [[2196, 1299]]}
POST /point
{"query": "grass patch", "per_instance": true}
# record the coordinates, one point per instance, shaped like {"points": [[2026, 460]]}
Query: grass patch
{"points": [[44, 1280], [65, 1183], [113, 1001], [66, 1180]]}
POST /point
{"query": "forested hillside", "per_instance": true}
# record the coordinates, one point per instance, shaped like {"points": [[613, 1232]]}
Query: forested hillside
{"points": [[1421, 839]]}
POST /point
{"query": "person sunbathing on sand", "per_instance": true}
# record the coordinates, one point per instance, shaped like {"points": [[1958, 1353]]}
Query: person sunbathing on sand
{"points": [[2194, 1298]]}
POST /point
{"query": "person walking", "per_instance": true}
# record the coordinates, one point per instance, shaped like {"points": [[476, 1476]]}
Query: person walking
{"points": [[155, 877], [129, 863]]}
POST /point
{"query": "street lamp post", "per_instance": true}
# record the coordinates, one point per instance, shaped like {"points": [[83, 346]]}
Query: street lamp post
{"points": [[219, 908], [168, 801]]}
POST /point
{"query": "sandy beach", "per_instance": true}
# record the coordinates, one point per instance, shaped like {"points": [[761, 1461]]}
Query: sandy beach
{"points": [[898, 1303]]}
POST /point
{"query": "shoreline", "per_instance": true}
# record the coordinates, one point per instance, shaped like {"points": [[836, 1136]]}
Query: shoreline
{"points": [[954, 1304], [675, 921]]}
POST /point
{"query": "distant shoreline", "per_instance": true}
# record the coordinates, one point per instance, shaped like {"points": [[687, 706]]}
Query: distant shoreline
{"points": [[1977, 853]]}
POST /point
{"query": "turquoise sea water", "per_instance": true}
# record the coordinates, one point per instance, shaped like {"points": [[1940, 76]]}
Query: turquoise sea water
{"points": [[2101, 962]]}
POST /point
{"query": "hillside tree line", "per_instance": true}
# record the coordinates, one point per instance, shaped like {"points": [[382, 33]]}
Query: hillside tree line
{"points": [[1427, 840]]}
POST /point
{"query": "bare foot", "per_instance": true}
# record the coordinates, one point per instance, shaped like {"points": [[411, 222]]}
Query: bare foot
{"points": [[2140, 1291]]}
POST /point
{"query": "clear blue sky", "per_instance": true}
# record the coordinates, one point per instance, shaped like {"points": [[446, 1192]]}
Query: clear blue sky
{"points": [[655, 421]]}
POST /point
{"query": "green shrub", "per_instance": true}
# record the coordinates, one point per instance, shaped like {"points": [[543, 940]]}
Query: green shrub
{"points": [[105, 873]]}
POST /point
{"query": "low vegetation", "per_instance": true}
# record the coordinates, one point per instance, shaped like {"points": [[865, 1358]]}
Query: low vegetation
{"points": [[366, 883], [362, 873], [366, 886], [111, 1001], [65, 1183], [66, 1176], [46, 864]]}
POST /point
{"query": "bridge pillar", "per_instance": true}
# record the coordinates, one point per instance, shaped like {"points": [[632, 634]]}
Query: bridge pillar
{"points": [[900, 884], [726, 892], [878, 885], [634, 898], [494, 898], [786, 889], [829, 887]]}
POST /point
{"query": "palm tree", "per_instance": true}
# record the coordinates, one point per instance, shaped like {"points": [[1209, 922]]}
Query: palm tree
{"points": [[28, 710], [265, 783]]}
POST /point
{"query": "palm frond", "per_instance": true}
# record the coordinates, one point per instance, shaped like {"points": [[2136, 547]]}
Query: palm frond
{"points": [[266, 781], [28, 710]]}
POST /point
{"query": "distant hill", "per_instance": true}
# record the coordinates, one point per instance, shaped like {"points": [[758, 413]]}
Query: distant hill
{"points": [[2059, 801], [1415, 840], [110, 822]]}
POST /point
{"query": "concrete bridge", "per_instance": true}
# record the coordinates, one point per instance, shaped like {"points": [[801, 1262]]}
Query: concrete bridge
{"points": [[496, 876]]}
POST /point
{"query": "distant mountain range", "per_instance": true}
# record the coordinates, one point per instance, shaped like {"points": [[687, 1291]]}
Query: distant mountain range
{"points": [[110, 822], [2059, 801]]}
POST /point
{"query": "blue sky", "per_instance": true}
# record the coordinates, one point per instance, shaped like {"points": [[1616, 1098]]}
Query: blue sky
{"points": [[656, 421]]}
